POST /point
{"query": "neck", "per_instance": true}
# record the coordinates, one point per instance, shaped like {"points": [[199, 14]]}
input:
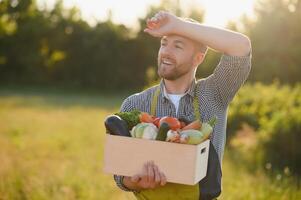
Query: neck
{"points": [[178, 86]]}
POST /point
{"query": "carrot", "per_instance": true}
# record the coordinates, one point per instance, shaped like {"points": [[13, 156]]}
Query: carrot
{"points": [[197, 125], [145, 117]]}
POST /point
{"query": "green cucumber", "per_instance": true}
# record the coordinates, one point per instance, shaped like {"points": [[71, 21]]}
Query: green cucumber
{"points": [[162, 133]]}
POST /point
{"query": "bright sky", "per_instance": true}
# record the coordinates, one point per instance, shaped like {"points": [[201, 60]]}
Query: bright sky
{"points": [[218, 12]]}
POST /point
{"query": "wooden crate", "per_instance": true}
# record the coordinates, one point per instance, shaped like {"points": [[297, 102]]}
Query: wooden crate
{"points": [[181, 163]]}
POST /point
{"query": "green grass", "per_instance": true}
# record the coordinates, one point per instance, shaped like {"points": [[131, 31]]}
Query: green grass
{"points": [[51, 147]]}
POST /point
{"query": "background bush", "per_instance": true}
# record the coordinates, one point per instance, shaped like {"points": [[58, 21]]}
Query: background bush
{"points": [[274, 114]]}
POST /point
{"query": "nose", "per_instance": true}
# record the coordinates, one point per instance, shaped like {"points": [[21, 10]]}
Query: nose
{"points": [[166, 51]]}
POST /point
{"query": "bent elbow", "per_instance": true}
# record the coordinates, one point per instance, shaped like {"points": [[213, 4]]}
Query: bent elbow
{"points": [[245, 45], [242, 46]]}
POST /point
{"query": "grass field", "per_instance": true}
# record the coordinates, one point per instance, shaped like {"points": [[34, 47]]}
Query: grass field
{"points": [[51, 147]]}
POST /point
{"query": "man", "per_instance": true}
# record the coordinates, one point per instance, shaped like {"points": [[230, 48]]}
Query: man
{"points": [[183, 47]]}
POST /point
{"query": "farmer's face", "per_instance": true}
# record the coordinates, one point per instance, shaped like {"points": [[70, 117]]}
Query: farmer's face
{"points": [[176, 57]]}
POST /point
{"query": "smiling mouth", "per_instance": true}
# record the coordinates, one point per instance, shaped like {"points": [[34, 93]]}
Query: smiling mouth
{"points": [[167, 62]]}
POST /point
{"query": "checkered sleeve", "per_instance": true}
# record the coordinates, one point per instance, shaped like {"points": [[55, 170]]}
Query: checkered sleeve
{"points": [[229, 76], [127, 105]]}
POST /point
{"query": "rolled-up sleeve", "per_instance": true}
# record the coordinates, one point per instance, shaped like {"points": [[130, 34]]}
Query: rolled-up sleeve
{"points": [[229, 76]]}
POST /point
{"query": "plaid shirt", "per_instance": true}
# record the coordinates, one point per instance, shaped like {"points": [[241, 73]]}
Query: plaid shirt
{"points": [[214, 94]]}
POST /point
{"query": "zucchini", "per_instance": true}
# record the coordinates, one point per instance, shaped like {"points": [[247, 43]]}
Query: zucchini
{"points": [[162, 133]]}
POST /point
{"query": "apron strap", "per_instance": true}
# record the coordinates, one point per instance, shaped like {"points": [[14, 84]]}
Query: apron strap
{"points": [[196, 105], [155, 101]]}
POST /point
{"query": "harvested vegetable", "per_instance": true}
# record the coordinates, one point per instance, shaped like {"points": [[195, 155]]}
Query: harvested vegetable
{"points": [[192, 136], [162, 133], [116, 126], [150, 132], [173, 136], [145, 131], [207, 128], [196, 125], [184, 121], [173, 123], [131, 118], [156, 121], [145, 117], [146, 126], [184, 139], [182, 124]]}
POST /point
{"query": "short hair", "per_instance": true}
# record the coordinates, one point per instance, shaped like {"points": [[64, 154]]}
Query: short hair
{"points": [[200, 46]]}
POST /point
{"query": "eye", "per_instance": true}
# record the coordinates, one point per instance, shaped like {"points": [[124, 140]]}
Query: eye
{"points": [[178, 47], [163, 44]]}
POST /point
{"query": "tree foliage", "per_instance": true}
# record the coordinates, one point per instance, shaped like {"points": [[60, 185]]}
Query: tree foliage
{"points": [[276, 39], [56, 47]]}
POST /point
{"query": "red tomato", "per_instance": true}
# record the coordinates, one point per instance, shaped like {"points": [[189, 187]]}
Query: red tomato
{"points": [[173, 123]]}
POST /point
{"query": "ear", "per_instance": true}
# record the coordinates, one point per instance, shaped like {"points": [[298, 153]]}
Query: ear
{"points": [[198, 58]]}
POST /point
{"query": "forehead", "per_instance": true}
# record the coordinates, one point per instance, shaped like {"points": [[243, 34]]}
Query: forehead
{"points": [[177, 38]]}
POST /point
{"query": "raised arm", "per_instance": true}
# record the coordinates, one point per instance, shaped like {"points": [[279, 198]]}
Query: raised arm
{"points": [[222, 40], [235, 64]]}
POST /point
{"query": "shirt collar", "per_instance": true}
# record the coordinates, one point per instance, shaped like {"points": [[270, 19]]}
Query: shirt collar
{"points": [[190, 91]]}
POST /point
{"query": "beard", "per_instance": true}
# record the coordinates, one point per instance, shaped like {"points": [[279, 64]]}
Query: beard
{"points": [[173, 71]]}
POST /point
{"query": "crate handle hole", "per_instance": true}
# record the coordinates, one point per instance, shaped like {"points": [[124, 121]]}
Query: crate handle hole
{"points": [[203, 150]]}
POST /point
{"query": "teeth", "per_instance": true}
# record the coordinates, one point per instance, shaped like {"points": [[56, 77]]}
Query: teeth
{"points": [[167, 62]]}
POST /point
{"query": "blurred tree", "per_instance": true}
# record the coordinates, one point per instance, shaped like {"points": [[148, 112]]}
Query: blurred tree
{"points": [[20, 51], [276, 41], [57, 47]]}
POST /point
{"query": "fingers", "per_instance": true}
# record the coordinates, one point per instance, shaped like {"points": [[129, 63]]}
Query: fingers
{"points": [[163, 179], [157, 175], [150, 177], [144, 173], [151, 173], [156, 19], [160, 24], [135, 178], [151, 23], [161, 15], [152, 33]]}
